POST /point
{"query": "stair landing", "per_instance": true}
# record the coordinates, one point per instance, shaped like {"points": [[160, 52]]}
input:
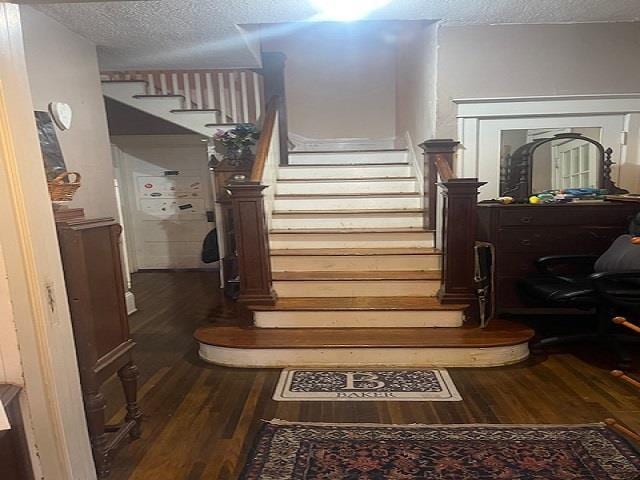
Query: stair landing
{"points": [[503, 342]]}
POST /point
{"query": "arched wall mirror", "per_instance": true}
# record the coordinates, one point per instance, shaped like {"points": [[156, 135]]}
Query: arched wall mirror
{"points": [[534, 161]]}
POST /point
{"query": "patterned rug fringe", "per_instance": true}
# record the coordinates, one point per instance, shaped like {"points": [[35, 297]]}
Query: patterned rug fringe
{"points": [[277, 421]]}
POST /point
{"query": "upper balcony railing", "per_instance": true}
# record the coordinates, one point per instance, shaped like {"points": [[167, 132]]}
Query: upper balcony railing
{"points": [[236, 94]]}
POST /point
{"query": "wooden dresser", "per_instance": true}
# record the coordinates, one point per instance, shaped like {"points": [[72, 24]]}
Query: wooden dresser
{"points": [[92, 265], [523, 233]]}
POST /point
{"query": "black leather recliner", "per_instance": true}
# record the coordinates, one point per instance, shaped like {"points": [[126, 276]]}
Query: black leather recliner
{"points": [[609, 284]]}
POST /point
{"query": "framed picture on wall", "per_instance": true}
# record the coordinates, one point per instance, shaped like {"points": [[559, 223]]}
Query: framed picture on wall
{"points": [[51, 153]]}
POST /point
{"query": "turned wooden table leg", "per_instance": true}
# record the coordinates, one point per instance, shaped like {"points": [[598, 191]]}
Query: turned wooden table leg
{"points": [[129, 378], [95, 407]]}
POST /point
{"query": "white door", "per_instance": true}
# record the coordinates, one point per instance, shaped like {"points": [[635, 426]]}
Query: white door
{"points": [[485, 163], [168, 197]]}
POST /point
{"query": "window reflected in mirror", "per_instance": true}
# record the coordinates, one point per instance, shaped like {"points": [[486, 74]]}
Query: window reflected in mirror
{"points": [[555, 165]]}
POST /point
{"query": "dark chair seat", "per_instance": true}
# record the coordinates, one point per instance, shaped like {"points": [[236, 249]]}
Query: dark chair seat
{"points": [[565, 291], [609, 284]]}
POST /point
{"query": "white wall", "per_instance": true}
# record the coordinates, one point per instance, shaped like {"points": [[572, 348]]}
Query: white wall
{"points": [[63, 67], [415, 81], [31, 280], [527, 60], [340, 80], [10, 366], [171, 239]]}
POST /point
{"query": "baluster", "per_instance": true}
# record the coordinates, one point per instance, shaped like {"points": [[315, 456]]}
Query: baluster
{"points": [[198, 89], [175, 85], [223, 99], [244, 97], [256, 96], [151, 84], [210, 97], [187, 91], [234, 98], [163, 83]]}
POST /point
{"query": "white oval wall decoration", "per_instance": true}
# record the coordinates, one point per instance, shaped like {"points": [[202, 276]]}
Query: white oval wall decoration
{"points": [[61, 114]]}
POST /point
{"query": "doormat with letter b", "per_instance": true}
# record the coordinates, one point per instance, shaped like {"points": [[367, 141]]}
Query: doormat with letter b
{"points": [[394, 385]]}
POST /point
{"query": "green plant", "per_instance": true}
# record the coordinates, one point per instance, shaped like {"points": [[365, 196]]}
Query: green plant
{"points": [[244, 135]]}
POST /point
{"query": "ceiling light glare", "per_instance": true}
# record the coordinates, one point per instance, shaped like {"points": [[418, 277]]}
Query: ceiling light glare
{"points": [[346, 10]]}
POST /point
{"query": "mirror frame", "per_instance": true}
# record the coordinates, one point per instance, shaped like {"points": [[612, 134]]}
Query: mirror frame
{"points": [[522, 190]]}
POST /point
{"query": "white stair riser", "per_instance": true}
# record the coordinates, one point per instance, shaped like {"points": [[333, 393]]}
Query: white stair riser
{"points": [[124, 89], [413, 220], [363, 171], [352, 263], [359, 319], [338, 158], [356, 288], [365, 356], [350, 240], [343, 187], [199, 118], [347, 203]]}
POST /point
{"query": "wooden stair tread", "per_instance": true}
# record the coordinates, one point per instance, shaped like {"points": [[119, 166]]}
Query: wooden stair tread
{"points": [[294, 152], [349, 212], [353, 251], [169, 95], [498, 333], [349, 230], [376, 275], [356, 304], [342, 179], [348, 195], [124, 81], [189, 110]]}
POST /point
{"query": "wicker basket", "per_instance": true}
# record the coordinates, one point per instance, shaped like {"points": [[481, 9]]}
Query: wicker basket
{"points": [[62, 188]]}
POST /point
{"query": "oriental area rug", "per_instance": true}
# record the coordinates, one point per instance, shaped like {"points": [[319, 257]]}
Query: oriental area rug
{"points": [[299, 451], [365, 385]]}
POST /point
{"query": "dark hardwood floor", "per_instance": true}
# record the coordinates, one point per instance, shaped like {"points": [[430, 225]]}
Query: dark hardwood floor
{"points": [[200, 419]]}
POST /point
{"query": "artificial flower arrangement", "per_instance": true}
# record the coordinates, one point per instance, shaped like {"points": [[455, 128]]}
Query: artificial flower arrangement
{"points": [[237, 138]]}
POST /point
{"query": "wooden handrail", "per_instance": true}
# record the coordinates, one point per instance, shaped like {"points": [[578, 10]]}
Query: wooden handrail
{"points": [[272, 71], [264, 142], [444, 169]]}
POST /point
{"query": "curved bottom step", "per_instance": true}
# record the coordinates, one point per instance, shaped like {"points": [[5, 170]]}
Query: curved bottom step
{"points": [[503, 343]]}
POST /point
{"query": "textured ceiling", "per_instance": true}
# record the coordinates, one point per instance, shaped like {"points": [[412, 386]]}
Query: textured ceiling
{"points": [[205, 33]]}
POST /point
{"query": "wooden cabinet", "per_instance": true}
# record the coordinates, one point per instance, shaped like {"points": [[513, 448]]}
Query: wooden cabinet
{"points": [[523, 233], [95, 287]]}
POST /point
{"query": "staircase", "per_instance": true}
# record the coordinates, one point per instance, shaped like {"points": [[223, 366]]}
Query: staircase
{"points": [[170, 107], [356, 276], [200, 101]]}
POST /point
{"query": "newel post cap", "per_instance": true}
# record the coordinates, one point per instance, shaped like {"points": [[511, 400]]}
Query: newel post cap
{"points": [[440, 145]]}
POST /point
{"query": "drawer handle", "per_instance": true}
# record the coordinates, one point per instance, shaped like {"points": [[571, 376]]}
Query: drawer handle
{"points": [[526, 242], [525, 219]]}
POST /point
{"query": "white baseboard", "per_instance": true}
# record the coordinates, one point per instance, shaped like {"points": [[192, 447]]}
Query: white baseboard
{"points": [[130, 299]]}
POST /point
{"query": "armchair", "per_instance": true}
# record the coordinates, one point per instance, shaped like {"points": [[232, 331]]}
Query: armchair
{"points": [[609, 284]]}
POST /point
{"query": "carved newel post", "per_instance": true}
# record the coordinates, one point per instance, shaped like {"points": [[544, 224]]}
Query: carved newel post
{"points": [[252, 243], [459, 222]]}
